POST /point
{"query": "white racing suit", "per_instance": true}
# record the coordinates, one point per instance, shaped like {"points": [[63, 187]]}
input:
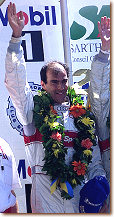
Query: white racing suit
{"points": [[99, 94], [41, 199]]}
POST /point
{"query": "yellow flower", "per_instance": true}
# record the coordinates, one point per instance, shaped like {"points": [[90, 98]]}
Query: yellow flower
{"points": [[41, 112], [87, 152], [46, 119], [87, 121], [56, 151], [74, 181], [54, 145], [54, 124], [92, 133]]}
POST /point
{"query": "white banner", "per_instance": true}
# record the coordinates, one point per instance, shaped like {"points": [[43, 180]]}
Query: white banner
{"points": [[84, 39]]}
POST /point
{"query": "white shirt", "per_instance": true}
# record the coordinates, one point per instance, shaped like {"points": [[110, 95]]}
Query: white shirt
{"points": [[9, 179]]}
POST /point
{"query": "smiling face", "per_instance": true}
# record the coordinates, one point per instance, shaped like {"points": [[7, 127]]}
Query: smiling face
{"points": [[57, 83]]}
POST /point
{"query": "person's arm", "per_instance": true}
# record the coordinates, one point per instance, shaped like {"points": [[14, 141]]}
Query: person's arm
{"points": [[15, 77], [99, 91]]}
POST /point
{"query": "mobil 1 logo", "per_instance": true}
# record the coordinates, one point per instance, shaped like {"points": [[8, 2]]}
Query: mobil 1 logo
{"points": [[32, 44]]}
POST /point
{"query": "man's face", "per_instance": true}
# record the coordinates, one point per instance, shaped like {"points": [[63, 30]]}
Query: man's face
{"points": [[57, 83]]}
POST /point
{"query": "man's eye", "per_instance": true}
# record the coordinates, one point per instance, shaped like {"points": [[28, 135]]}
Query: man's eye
{"points": [[54, 82]]}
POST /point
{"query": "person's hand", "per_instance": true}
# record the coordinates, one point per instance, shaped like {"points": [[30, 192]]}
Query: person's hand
{"points": [[104, 32], [104, 208], [16, 23]]}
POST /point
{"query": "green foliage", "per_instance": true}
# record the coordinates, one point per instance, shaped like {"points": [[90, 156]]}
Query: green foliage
{"points": [[46, 120], [74, 98]]}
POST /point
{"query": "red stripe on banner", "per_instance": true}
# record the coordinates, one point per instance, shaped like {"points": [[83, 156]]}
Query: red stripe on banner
{"points": [[104, 145], [68, 139]]}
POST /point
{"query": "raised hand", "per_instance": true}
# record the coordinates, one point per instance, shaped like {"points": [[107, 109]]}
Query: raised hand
{"points": [[104, 31], [16, 23]]}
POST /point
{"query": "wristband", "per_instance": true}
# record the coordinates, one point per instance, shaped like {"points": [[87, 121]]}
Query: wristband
{"points": [[15, 40]]}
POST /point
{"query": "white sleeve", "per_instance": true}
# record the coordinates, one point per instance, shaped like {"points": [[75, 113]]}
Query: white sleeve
{"points": [[16, 83], [99, 93]]}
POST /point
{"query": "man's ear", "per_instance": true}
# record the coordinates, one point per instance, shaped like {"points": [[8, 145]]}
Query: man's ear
{"points": [[43, 85]]}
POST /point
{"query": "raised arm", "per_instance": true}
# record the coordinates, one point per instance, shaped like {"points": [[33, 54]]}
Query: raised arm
{"points": [[99, 91], [15, 77], [99, 94]]}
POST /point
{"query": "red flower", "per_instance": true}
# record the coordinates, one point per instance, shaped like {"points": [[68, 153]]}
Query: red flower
{"points": [[56, 136], [86, 143], [52, 110], [77, 110], [79, 167]]}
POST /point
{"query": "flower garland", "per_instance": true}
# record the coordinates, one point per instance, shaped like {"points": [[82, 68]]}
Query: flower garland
{"points": [[64, 176]]}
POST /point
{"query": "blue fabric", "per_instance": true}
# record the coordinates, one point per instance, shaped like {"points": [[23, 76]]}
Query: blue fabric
{"points": [[93, 195], [70, 190]]}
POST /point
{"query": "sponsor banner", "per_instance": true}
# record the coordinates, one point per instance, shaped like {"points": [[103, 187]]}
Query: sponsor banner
{"points": [[42, 41], [84, 38]]}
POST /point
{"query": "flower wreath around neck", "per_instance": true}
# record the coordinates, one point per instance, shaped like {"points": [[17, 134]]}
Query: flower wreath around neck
{"points": [[63, 176]]}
